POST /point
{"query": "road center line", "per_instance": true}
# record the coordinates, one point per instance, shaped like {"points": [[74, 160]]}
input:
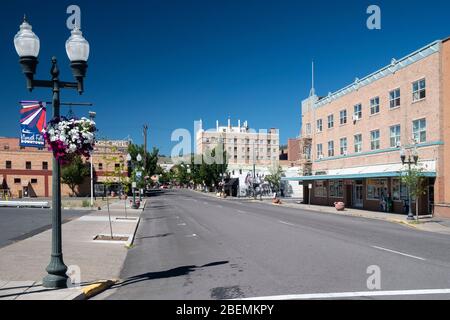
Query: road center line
{"points": [[397, 252], [287, 223], [338, 295]]}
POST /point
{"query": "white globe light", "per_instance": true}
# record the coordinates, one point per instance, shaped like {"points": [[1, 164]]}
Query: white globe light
{"points": [[77, 47], [139, 158], [26, 41]]}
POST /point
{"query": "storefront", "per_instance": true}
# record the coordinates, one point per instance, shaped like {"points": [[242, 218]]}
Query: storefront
{"points": [[377, 191]]}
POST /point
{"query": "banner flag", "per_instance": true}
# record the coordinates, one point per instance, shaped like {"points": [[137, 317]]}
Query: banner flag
{"points": [[33, 118]]}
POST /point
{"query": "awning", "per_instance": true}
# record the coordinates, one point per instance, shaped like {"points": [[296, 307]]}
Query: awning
{"points": [[381, 171]]}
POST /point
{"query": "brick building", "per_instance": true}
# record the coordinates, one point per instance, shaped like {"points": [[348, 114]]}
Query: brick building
{"points": [[27, 172], [358, 132], [243, 145]]}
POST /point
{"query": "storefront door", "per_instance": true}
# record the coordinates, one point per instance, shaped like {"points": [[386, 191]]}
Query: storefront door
{"points": [[358, 196]]}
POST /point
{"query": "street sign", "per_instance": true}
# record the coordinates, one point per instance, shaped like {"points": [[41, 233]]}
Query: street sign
{"points": [[310, 186], [134, 184]]}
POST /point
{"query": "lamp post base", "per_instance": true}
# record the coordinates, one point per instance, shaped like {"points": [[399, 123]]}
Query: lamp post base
{"points": [[411, 218], [57, 277]]}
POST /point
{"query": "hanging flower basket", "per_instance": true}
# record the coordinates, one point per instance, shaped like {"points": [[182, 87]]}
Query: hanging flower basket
{"points": [[67, 138]]}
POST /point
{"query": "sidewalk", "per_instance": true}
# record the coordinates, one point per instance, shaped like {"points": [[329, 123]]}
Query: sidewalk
{"points": [[22, 264], [425, 224], [437, 225]]}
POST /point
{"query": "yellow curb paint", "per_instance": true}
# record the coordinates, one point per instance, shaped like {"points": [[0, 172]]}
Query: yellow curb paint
{"points": [[97, 288]]}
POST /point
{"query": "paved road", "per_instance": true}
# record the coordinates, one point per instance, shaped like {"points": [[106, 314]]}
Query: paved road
{"points": [[18, 224], [191, 246]]}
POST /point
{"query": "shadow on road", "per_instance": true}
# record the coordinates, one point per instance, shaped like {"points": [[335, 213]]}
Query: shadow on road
{"points": [[172, 273]]}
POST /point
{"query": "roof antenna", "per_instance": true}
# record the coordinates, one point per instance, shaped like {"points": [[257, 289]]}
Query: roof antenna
{"points": [[313, 90]]}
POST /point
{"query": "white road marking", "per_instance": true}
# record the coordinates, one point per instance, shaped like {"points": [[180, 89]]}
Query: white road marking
{"points": [[287, 223], [240, 211], [219, 206], [400, 253], [338, 295], [182, 224], [191, 236]]}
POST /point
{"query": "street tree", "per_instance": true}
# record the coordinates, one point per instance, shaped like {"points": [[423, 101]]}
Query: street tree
{"points": [[74, 173], [415, 181], [274, 178]]}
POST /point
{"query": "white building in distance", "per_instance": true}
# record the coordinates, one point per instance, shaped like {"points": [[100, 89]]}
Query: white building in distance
{"points": [[244, 146]]}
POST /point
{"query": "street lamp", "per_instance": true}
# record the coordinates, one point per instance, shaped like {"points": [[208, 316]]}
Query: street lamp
{"points": [[132, 166], [413, 159], [27, 45]]}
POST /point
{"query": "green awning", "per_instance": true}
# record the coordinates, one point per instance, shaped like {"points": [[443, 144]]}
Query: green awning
{"points": [[373, 175]]}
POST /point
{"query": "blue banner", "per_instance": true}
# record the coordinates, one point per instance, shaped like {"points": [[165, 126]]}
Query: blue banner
{"points": [[32, 123]]}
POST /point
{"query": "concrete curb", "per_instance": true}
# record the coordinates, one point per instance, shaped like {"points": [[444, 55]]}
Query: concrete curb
{"points": [[95, 289], [130, 241]]}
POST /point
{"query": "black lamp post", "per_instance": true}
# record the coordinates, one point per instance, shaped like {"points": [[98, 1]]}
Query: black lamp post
{"points": [[413, 159], [132, 166], [27, 45]]}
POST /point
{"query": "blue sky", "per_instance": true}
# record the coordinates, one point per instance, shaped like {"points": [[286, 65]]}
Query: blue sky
{"points": [[170, 62]]}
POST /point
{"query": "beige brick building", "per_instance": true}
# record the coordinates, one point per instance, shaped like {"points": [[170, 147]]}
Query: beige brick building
{"points": [[243, 145], [358, 132], [27, 172]]}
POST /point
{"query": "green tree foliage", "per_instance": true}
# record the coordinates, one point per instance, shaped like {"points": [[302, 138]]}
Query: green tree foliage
{"points": [[74, 173], [274, 178], [208, 171], [415, 181], [149, 161]]}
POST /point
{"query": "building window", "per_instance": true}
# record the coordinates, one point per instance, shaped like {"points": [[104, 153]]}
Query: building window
{"points": [[420, 131], [6, 147], [34, 181], [330, 121], [419, 90], [358, 143], [377, 189], [375, 140], [319, 151], [357, 114], [399, 190], [375, 105], [319, 125], [343, 146], [320, 190], [394, 97], [100, 166], [336, 189], [331, 148], [308, 129], [395, 136], [8, 165], [28, 165], [45, 165], [343, 117], [17, 180]]}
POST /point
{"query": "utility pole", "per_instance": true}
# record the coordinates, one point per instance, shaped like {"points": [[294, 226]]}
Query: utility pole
{"points": [[145, 131]]}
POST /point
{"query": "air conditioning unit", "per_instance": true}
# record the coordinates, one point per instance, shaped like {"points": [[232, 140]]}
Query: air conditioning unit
{"points": [[399, 144], [321, 157], [355, 117], [345, 153]]}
